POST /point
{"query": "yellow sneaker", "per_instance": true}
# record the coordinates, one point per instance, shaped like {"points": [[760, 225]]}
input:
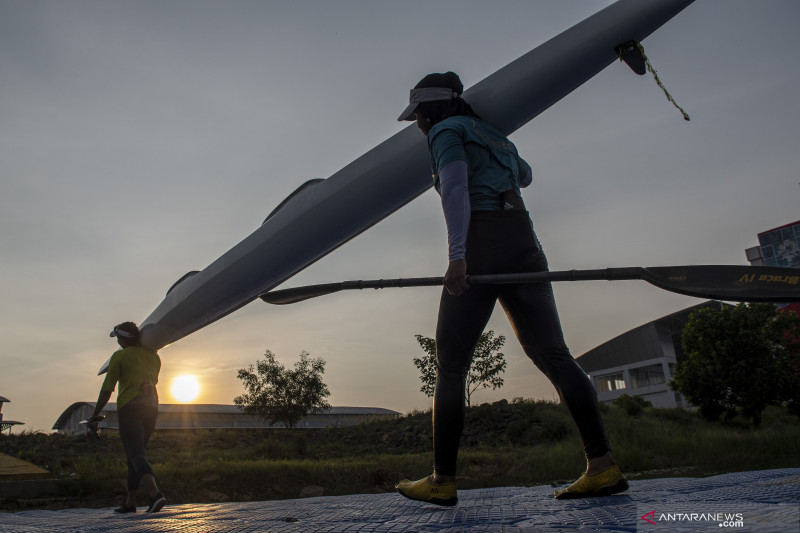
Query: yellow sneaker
{"points": [[609, 481], [425, 491]]}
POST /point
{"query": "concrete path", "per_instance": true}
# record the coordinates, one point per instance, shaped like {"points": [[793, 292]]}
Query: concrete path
{"points": [[762, 501], [12, 468]]}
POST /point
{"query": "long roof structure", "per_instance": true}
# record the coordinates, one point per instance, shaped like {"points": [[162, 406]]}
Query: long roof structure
{"points": [[641, 343], [219, 409]]}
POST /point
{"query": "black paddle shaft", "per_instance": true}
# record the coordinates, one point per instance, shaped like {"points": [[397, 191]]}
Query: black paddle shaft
{"points": [[716, 282]]}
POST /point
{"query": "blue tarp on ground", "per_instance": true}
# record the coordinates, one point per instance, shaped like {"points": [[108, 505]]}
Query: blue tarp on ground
{"points": [[763, 501]]}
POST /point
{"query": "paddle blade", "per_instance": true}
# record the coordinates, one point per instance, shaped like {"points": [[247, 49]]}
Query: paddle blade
{"points": [[93, 419], [299, 294], [728, 282], [104, 368]]}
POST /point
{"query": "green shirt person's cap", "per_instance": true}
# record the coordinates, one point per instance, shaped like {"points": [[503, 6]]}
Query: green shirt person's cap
{"points": [[119, 332]]}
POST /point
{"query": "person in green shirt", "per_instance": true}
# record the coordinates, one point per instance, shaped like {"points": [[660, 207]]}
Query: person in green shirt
{"points": [[135, 368]]}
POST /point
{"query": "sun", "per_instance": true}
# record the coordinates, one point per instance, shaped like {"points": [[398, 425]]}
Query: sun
{"points": [[185, 388]]}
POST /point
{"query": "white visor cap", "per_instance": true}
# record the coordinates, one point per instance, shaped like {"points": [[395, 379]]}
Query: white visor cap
{"points": [[426, 94], [117, 332]]}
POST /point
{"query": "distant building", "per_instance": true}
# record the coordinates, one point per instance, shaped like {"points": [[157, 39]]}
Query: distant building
{"points": [[6, 424], [778, 247], [207, 416], [641, 362]]}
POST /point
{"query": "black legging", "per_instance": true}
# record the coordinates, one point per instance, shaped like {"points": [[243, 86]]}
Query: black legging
{"points": [[504, 242], [136, 425]]}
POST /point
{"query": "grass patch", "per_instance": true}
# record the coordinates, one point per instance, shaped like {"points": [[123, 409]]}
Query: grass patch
{"points": [[522, 443]]}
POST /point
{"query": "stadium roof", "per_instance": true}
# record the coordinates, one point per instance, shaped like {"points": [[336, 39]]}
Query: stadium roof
{"points": [[209, 408], [641, 343]]}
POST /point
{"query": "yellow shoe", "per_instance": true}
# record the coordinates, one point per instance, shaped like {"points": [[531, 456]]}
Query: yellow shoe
{"points": [[425, 491], [609, 481]]}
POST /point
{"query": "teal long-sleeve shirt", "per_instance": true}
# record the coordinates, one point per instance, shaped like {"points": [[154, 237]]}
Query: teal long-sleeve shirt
{"points": [[473, 164]]}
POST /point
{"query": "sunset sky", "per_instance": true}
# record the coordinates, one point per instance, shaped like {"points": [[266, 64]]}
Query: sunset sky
{"points": [[142, 139]]}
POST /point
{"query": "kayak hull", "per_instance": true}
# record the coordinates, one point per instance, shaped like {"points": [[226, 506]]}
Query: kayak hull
{"points": [[328, 213]]}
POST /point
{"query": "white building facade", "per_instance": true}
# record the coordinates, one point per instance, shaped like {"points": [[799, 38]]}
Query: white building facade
{"points": [[642, 361]]}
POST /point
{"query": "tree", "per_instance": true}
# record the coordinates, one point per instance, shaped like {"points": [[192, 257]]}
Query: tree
{"points": [[788, 354], [740, 360], [487, 364], [277, 394]]}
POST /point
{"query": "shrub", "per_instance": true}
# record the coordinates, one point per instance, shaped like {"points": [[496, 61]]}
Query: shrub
{"points": [[633, 405]]}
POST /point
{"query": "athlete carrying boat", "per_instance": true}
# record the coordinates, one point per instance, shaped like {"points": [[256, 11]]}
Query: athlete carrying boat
{"points": [[478, 173], [136, 369]]}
